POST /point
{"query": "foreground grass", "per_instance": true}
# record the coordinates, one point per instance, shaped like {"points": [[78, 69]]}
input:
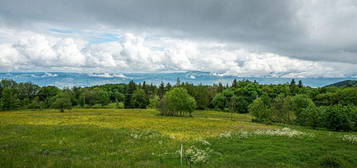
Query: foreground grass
{"points": [[141, 138]]}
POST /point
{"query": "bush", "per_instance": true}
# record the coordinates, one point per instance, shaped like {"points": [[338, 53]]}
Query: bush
{"points": [[299, 103], [36, 104], [139, 99], [347, 96], [337, 118], [154, 102], [310, 116], [330, 162], [62, 101], [260, 110], [177, 102], [120, 105], [353, 116], [282, 111], [219, 101]]}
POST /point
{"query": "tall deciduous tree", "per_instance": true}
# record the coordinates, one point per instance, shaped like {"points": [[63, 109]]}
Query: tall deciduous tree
{"points": [[62, 102], [139, 99], [177, 102], [8, 99]]}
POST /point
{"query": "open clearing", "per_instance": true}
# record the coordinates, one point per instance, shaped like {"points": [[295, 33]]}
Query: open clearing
{"points": [[141, 138]]}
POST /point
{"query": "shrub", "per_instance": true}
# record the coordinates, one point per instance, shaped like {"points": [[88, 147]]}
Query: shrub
{"points": [[9, 99], [331, 162], [282, 111], [62, 101], [299, 103], [154, 102], [139, 99], [36, 104], [177, 102], [310, 116], [260, 110], [353, 116], [219, 101], [120, 105], [337, 118], [347, 96]]}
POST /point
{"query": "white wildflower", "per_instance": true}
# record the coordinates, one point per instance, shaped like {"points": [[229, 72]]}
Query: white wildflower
{"points": [[243, 134], [350, 139], [196, 155], [135, 136], [225, 135], [205, 142], [280, 132]]}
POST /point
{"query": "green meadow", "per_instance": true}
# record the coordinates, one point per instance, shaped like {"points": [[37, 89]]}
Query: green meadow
{"points": [[142, 138]]}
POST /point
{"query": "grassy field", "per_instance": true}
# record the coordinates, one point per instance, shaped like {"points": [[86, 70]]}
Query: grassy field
{"points": [[141, 138]]}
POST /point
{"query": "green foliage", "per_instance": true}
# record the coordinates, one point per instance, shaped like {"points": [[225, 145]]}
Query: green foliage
{"points": [[94, 96], [177, 102], [139, 99], [118, 97], [129, 93], [331, 162], [289, 103], [154, 102], [282, 110], [337, 118], [333, 96], [234, 104], [260, 110], [238, 98], [161, 90], [299, 103], [27, 90], [47, 93], [219, 101], [103, 97], [201, 95], [310, 116], [8, 99], [347, 96], [242, 104], [62, 101], [326, 99], [120, 105], [36, 104]]}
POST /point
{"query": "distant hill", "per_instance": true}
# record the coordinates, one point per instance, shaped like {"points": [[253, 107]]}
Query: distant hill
{"points": [[346, 83]]}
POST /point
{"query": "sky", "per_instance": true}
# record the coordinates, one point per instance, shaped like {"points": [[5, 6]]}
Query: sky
{"points": [[255, 38]]}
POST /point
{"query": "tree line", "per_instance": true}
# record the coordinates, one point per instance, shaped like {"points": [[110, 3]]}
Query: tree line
{"points": [[292, 103]]}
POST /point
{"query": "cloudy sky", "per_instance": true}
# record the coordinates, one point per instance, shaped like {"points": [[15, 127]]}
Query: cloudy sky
{"points": [[297, 38]]}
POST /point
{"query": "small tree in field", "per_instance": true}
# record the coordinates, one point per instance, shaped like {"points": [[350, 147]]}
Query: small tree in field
{"points": [[62, 101], [260, 110], [177, 102], [154, 102]]}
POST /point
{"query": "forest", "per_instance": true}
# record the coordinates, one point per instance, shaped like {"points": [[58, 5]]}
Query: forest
{"points": [[330, 107]]}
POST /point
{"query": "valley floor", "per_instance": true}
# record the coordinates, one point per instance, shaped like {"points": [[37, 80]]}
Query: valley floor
{"points": [[141, 138]]}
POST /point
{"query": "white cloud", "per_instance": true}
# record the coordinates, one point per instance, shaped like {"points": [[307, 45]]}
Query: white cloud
{"points": [[31, 51]]}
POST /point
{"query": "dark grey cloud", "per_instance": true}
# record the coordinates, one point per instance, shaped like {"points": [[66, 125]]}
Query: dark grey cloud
{"points": [[313, 30]]}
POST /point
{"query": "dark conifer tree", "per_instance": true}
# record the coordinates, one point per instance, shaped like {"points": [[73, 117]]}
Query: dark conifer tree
{"points": [[234, 83], [300, 84], [161, 90], [129, 93], [292, 83], [178, 82], [168, 86]]}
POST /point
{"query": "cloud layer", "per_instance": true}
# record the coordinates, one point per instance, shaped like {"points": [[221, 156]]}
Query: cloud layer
{"points": [[301, 38], [30, 51]]}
